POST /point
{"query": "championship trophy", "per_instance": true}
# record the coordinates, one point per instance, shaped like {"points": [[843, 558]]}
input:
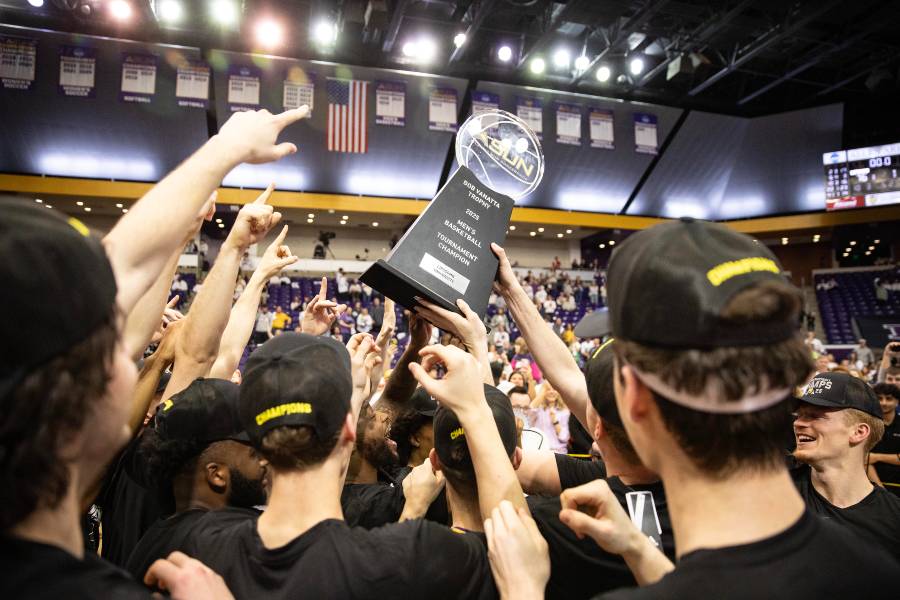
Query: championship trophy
{"points": [[446, 254]]}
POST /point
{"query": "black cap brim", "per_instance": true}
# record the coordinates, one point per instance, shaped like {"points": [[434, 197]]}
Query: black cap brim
{"points": [[593, 325]]}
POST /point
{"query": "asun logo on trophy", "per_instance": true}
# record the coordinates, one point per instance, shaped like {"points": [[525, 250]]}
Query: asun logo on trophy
{"points": [[446, 254]]}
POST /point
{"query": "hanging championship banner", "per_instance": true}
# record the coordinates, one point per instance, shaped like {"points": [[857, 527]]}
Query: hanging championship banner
{"points": [[77, 66], [484, 101], [531, 111], [17, 59], [299, 89], [390, 103], [138, 78], [568, 124], [645, 140], [192, 84], [601, 126], [243, 88], [442, 110]]}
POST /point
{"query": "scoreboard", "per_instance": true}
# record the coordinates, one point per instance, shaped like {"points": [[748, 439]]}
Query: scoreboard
{"points": [[862, 177]]}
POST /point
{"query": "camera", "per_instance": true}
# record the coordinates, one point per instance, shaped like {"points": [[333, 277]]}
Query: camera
{"points": [[325, 237]]}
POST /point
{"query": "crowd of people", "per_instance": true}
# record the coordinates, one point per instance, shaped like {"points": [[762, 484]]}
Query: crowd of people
{"points": [[721, 457]]}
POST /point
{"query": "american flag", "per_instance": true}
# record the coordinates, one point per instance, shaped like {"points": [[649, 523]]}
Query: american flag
{"points": [[347, 130]]}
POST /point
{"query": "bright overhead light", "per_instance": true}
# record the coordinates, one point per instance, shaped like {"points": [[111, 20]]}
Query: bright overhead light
{"points": [[80, 203], [170, 11], [612, 242], [784, 241], [124, 210], [636, 66], [504, 53], [36, 3], [38, 200], [532, 233], [224, 12], [409, 49], [427, 50], [48, 205], [310, 220], [512, 227], [120, 10], [561, 59], [119, 205], [603, 74], [459, 39], [582, 63], [325, 32], [310, 216], [87, 209], [568, 231], [218, 220], [876, 241], [559, 235], [221, 226], [374, 223], [269, 33], [345, 217], [868, 253], [541, 229], [537, 65], [853, 243], [602, 246], [343, 222], [871, 247]]}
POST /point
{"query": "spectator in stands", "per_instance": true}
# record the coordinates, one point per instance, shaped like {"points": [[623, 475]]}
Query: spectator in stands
{"points": [[550, 416], [884, 461], [838, 421], [889, 369], [500, 337], [499, 319], [813, 343], [549, 306], [179, 285], [594, 293], [364, 322], [568, 303], [355, 291], [556, 264], [280, 320], [343, 286], [568, 335], [347, 325], [558, 326], [263, 329], [297, 303], [377, 313], [540, 295], [864, 353], [367, 293]]}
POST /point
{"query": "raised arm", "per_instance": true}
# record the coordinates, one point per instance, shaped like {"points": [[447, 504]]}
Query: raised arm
{"points": [[243, 315], [462, 391], [198, 344], [383, 341], [466, 326], [144, 239], [401, 384], [321, 313], [548, 349]]}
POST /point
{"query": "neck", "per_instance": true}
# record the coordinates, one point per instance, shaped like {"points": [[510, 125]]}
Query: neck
{"points": [[418, 456], [58, 526], [843, 482], [465, 511], [194, 492], [889, 417], [628, 472], [300, 500], [703, 508]]}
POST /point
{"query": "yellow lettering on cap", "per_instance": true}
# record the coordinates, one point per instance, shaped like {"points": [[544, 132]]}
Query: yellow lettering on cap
{"points": [[167, 404], [602, 346], [457, 432], [725, 271], [291, 408], [79, 227]]}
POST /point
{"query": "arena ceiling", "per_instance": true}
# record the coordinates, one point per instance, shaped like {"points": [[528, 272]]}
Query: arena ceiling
{"points": [[742, 57]]}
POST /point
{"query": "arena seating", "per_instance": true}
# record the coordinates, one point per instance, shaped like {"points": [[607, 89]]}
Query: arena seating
{"points": [[854, 295]]}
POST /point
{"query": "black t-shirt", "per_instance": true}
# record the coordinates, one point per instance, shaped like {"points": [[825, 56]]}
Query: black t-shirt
{"points": [[578, 471], [413, 559], [810, 560], [876, 517], [889, 444], [128, 506], [371, 504], [580, 568], [39, 571]]}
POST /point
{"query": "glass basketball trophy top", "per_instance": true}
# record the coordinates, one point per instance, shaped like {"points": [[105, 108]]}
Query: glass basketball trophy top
{"points": [[446, 254], [502, 152]]}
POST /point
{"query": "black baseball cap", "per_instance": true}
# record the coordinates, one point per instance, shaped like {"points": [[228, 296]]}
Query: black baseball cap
{"points": [[669, 284], [423, 403], [296, 379], [206, 410], [598, 375], [841, 390], [594, 324], [57, 282], [450, 437]]}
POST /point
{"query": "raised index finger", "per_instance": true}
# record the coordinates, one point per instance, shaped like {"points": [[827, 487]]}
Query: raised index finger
{"points": [[291, 116], [264, 197]]}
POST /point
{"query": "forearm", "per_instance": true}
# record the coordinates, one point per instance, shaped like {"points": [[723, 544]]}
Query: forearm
{"points": [[211, 308], [873, 475], [551, 354], [148, 380], [646, 562], [413, 509], [143, 240], [888, 459], [145, 317], [239, 329], [494, 472], [538, 473], [401, 384]]}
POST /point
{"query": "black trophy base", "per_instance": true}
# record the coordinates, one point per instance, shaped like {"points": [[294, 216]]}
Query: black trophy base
{"points": [[400, 288]]}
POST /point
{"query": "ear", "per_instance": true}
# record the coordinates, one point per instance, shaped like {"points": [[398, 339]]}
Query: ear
{"points": [[217, 476], [859, 433], [637, 397], [348, 430], [414, 440], [599, 430], [435, 461], [517, 458]]}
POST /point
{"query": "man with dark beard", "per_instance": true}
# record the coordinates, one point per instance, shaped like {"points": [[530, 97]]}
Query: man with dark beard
{"points": [[197, 452]]}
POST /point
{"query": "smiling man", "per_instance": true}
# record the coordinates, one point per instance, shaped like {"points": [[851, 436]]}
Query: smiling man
{"points": [[838, 421]]}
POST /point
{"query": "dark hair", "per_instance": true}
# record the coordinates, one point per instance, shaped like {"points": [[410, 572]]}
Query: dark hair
{"points": [[517, 390], [165, 459], [887, 389], [296, 448], [496, 370], [579, 439], [619, 439], [405, 425], [40, 416], [722, 443]]}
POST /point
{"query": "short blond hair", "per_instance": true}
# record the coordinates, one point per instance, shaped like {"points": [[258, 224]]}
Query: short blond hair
{"points": [[853, 416]]}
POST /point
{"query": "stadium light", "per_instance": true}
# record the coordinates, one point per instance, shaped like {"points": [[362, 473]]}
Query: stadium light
{"points": [[427, 50], [36, 3], [636, 66], [853, 243], [170, 11], [374, 223], [541, 229], [38, 200], [538, 65], [120, 10], [568, 231], [532, 233], [269, 33], [224, 12], [459, 40], [561, 59], [603, 74], [512, 227], [559, 235], [504, 53], [582, 63], [325, 33], [602, 246], [612, 242]]}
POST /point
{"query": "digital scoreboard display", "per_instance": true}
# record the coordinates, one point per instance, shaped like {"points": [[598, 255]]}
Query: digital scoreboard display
{"points": [[862, 177]]}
